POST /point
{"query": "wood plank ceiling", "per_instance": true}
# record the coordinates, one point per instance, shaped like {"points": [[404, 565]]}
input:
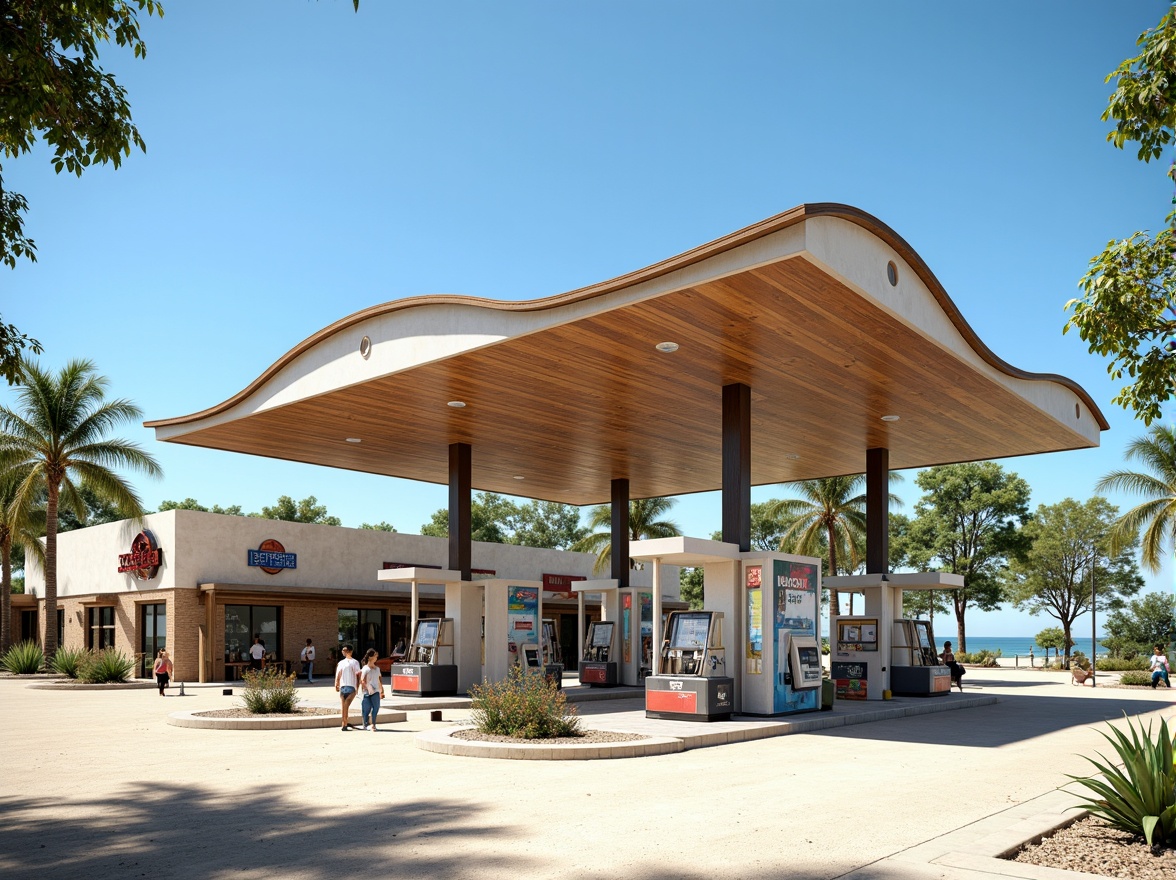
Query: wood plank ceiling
{"points": [[570, 408]]}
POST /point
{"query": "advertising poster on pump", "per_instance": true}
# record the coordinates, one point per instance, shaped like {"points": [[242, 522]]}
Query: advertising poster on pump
{"points": [[797, 603], [522, 617]]}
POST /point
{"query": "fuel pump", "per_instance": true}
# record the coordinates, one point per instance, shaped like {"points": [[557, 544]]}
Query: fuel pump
{"points": [[428, 669], [692, 684], [598, 667]]}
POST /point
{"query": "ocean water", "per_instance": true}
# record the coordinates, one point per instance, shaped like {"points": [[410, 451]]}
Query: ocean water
{"points": [[1011, 646]]}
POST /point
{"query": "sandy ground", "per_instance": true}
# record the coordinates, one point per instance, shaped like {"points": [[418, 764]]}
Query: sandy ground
{"points": [[96, 785]]}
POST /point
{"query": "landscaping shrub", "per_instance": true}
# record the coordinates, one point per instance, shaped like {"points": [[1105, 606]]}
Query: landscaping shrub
{"points": [[269, 691], [523, 705], [107, 666], [1135, 677], [1139, 798], [1118, 664], [1079, 659], [68, 661], [979, 658], [23, 658]]}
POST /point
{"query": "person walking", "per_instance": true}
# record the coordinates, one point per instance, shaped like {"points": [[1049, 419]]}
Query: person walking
{"points": [[346, 681], [1160, 670], [308, 661], [256, 653], [162, 670], [371, 683]]}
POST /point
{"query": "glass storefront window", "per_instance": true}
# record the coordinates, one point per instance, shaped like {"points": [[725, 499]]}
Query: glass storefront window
{"points": [[363, 628], [153, 635], [242, 622], [101, 628]]}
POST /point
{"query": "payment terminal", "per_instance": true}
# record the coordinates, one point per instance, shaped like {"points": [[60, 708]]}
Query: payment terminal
{"points": [[428, 669]]}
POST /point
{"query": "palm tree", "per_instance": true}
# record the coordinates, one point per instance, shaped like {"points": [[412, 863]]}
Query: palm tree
{"points": [[1155, 518], [18, 526], [644, 523], [828, 521], [55, 443]]}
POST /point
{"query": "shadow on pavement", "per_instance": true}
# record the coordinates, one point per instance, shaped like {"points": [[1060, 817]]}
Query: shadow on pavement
{"points": [[1015, 718], [174, 831]]}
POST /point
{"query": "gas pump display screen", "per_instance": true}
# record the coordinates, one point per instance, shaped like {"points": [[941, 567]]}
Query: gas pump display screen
{"points": [[690, 630], [427, 633], [924, 636], [602, 635], [531, 656]]}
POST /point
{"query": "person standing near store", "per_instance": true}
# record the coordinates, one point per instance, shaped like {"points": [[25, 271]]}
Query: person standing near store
{"points": [[371, 683], [346, 681], [308, 661], [162, 670], [1159, 667], [256, 653]]}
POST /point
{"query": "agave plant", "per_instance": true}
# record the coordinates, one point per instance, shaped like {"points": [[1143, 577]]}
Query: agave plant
{"points": [[23, 658], [1140, 796]]}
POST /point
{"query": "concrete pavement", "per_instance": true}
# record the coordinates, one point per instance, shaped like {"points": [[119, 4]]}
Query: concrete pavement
{"points": [[97, 785]]}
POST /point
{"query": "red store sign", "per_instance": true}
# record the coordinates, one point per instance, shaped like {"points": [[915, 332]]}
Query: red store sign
{"points": [[559, 586], [144, 559]]}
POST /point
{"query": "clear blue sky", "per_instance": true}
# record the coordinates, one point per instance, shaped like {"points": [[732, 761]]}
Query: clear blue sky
{"points": [[305, 161]]}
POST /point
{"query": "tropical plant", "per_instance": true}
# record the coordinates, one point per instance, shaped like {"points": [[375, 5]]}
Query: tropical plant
{"points": [[1052, 637], [644, 523], [1139, 796], [827, 520], [20, 528], [55, 443], [524, 705], [23, 658], [270, 691], [69, 661], [1153, 522], [108, 666]]}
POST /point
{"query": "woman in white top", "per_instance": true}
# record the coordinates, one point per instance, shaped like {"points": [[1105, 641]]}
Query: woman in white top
{"points": [[372, 685], [346, 681], [1159, 667]]}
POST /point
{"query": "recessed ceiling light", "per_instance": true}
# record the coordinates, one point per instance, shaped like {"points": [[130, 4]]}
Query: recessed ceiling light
{"points": [[890, 418], [791, 456], [667, 347], [354, 440], [456, 404], [520, 478]]}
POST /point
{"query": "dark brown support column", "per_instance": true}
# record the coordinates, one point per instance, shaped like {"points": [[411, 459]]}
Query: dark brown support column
{"points": [[460, 490], [620, 532], [737, 465], [877, 511]]}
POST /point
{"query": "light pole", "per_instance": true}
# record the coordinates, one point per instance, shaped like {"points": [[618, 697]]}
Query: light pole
{"points": [[1093, 624]]}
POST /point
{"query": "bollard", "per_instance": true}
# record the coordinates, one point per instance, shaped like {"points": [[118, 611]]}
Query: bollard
{"points": [[182, 694], [435, 715], [228, 692]]}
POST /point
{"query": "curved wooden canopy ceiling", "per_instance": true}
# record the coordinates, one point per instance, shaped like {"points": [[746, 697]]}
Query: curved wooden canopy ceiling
{"points": [[569, 393]]}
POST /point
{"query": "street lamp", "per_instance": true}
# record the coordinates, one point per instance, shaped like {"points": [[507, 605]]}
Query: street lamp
{"points": [[1093, 624]]}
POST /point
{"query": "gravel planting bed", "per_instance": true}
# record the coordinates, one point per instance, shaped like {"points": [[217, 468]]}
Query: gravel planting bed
{"points": [[1093, 846], [241, 712], [590, 736]]}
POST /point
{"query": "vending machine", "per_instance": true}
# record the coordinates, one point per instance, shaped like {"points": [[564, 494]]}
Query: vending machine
{"points": [[598, 666], [915, 669], [428, 669], [553, 666], [693, 683], [782, 668]]}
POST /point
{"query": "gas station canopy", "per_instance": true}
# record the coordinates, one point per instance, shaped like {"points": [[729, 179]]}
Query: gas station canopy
{"points": [[830, 318]]}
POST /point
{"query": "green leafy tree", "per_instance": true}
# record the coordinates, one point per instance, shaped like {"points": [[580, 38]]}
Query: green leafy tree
{"points": [[13, 343], [766, 530], [53, 87], [308, 510], [381, 526], [193, 504], [968, 522], [1129, 291], [1145, 621], [645, 522], [1152, 523], [1068, 540], [99, 510], [56, 443], [690, 583], [1053, 637], [490, 518], [547, 524]]}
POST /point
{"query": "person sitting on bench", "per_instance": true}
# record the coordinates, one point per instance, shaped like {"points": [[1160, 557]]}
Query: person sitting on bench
{"points": [[957, 671]]}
